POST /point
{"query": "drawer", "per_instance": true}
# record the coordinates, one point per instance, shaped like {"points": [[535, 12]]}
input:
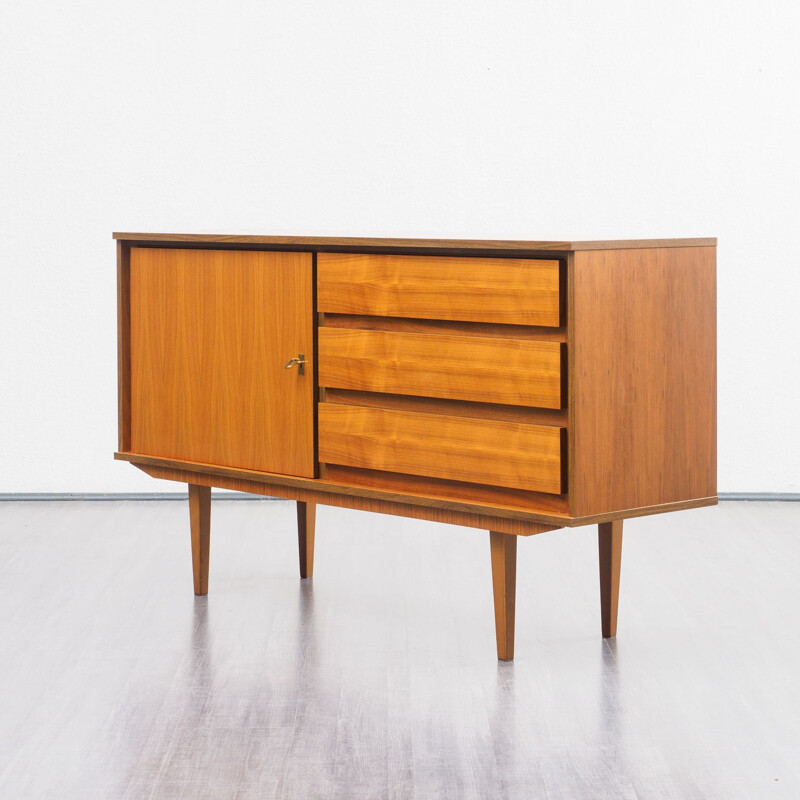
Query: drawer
{"points": [[482, 451], [514, 291], [481, 369]]}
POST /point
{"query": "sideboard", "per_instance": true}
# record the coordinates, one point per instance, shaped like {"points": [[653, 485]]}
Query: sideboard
{"points": [[514, 386]]}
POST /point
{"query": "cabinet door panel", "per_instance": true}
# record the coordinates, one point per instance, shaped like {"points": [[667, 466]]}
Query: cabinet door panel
{"points": [[210, 333]]}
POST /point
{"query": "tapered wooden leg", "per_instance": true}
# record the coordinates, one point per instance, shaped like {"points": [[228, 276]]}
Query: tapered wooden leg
{"points": [[609, 536], [504, 583], [200, 521], [306, 519]]}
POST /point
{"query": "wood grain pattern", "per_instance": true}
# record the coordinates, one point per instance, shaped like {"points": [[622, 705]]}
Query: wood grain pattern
{"points": [[210, 333], [457, 408], [123, 346], [348, 243], [478, 451], [306, 521], [643, 343], [434, 513], [200, 526], [537, 333], [506, 371], [499, 497], [504, 585], [609, 538], [508, 291]]}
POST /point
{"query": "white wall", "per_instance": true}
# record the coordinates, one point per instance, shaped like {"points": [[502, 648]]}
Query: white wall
{"points": [[517, 120]]}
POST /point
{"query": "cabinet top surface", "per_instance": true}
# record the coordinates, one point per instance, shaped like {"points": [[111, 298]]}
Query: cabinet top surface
{"points": [[355, 243]]}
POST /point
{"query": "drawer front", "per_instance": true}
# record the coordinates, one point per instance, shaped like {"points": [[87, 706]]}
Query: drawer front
{"points": [[480, 369], [480, 451], [512, 291]]}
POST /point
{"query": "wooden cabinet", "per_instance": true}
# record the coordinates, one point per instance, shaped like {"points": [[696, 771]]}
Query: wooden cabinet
{"points": [[518, 387]]}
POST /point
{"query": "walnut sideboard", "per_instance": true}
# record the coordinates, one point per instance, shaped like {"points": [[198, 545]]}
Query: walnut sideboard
{"points": [[513, 386]]}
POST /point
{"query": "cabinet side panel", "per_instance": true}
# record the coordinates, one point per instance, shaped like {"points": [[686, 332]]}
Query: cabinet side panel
{"points": [[643, 344]]}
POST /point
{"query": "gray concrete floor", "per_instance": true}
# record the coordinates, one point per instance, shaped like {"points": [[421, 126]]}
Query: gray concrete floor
{"points": [[378, 678]]}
